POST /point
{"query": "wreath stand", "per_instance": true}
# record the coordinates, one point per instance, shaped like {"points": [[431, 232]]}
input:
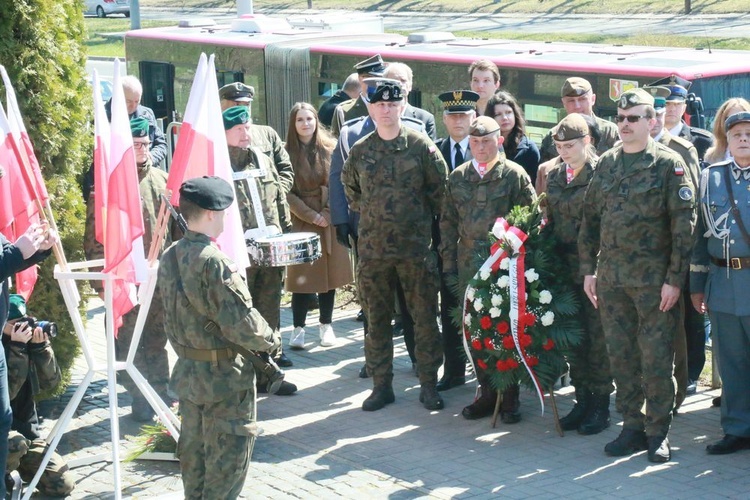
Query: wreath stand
{"points": [[67, 278]]}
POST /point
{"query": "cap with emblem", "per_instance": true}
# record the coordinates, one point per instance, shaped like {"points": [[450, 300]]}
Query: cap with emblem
{"points": [[237, 91], [459, 101], [17, 307], [371, 66], [139, 127], [742, 117], [571, 127], [236, 115], [484, 125], [660, 95], [209, 193], [374, 82], [575, 86], [634, 97], [678, 87], [387, 92]]}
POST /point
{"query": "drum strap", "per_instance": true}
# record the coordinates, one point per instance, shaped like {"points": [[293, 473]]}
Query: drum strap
{"points": [[251, 179]]}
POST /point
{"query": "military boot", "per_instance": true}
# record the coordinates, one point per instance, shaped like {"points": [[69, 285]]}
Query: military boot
{"points": [[510, 408], [381, 395], [482, 407], [430, 398], [628, 442], [141, 410], [597, 418], [572, 420]]}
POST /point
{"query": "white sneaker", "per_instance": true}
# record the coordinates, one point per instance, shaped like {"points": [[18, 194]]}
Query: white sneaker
{"points": [[297, 340], [327, 337]]}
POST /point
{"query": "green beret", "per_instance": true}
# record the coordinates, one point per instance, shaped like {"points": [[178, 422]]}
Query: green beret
{"points": [[209, 193], [387, 92], [139, 127], [17, 307], [571, 127], [236, 115], [484, 125], [634, 97]]}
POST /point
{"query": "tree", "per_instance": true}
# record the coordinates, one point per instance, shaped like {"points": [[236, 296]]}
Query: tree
{"points": [[41, 46]]}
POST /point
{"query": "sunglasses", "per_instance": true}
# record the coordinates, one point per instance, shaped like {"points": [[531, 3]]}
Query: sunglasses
{"points": [[629, 118]]}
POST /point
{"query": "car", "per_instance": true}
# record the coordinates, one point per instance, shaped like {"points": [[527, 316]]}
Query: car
{"points": [[105, 88], [102, 8]]}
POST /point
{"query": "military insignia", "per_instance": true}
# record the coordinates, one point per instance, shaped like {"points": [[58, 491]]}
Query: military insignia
{"points": [[458, 95], [386, 95], [560, 135], [623, 101], [685, 193], [678, 170]]}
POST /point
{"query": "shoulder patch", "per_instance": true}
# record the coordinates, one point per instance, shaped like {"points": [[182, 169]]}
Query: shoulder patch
{"points": [[685, 193], [679, 170]]}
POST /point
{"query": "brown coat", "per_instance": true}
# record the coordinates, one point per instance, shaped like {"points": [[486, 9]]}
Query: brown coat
{"points": [[307, 199]]}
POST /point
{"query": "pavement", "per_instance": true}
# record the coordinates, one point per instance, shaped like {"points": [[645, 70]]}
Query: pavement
{"points": [[318, 443]]}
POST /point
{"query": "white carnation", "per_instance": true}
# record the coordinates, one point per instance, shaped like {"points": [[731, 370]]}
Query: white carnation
{"points": [[495, 312], [548, 318], [545, 297], [497, 300], [467, 319], [478, 305], [484, 274], [505, 263], [470, 293], [503, 282], [531, 276]]}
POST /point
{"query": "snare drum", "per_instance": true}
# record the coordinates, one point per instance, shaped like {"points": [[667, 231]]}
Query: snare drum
{"points": [[284, 249]]}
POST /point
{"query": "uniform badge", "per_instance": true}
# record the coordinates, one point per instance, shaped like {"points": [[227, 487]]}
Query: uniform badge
{"points": [[623, 101], [386, 95], [458, 95], [685, 193], [678, 170], [560, 135]]}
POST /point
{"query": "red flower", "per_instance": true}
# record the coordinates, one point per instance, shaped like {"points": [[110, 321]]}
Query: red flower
{"points": [[476, 344], [501, 365], [512, 364], [549, 345], [508, 342], [485, 323], [503, 327], [482, 364], [532, 360], [525, 340], [488, 343], [530, 319]]}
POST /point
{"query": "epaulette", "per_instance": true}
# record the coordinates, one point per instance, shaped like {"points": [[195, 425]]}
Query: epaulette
{"points": [[721, 163], [682, 141], [702, 133], [351, 122]]}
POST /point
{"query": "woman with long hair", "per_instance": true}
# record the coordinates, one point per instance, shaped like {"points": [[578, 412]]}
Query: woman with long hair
{"points": [[518, 148], [309, 147], [720, 151]]}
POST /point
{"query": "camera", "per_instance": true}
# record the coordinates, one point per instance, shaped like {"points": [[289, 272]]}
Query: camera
{"points": [[47, 327]]}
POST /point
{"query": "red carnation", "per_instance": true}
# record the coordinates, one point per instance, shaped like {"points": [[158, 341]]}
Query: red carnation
{"points": [[530, 319], [549, 345], [525, 340], [512, 364], [532, 360], [508, 342], [503, 327], [488, 343], [485, 323], [482, 364], [501, 365], [476, 344]]}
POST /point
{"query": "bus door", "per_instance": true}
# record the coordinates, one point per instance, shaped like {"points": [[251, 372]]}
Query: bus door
{"points": [[157, 79]]}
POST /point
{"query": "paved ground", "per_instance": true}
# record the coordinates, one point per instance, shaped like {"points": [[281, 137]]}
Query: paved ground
{"points": [[319, 444]]}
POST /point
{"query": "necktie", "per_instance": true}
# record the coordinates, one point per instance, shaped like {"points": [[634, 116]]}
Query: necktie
{"points": [[458, 157]]}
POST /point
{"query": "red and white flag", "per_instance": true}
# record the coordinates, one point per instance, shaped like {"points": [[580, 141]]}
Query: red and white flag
{"points": [[202, 150], [117, 199]]}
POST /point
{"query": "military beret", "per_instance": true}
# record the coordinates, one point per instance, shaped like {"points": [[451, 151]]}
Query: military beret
{"points": [[387, 92], [459, 101], [660, 95], [139, 127], [571, 127], [17, 307], [634, 97], [236, 115], [678, 87], [374, 82], [371, 66], [741, 117], [209, 193], [483, 125], [575, 86], [237, 91]]}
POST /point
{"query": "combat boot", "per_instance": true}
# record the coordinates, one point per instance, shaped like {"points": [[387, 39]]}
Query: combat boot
{"points": [[381, 395], [430, 398], [572, 420], [597, 418], [141, 410], [482, 407], [510, 408], [628, 442]]}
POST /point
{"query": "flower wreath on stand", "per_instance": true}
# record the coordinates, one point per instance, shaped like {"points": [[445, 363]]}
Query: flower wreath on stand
{"points": [[519, 310]]}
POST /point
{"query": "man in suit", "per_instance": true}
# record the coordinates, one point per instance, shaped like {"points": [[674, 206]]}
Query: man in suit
{"points": [[350, 90], [372, 67], [403, 73]]}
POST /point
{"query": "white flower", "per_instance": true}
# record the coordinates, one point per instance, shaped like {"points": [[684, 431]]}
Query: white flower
{"points": [[545, 297], [467, 319], [478, 305], [531, 275], [505, 263], [470, 293], [495, 312], [548, 318], [484, 274], [503, 282], [497, 300]]}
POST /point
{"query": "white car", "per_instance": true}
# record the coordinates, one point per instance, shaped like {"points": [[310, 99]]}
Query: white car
{"points": [[102, 8]]}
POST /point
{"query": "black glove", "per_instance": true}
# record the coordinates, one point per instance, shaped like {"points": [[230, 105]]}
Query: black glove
{"points": [[343, 231]]}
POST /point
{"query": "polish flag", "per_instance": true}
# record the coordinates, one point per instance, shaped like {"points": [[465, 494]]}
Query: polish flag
{"points": [[202, 150], [117, 199]]}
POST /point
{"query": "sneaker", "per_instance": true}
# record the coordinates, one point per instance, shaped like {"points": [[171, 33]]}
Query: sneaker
{"points": [[659, 450], [297, 340], [628, 442], [327, 337]]}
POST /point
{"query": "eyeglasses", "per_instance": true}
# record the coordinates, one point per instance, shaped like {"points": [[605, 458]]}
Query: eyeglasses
{"points": [[629, 118], [141, 145]]}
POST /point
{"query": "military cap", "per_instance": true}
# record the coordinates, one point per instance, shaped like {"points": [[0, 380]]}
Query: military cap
{"points": [[209, 193], [660, 95], [371, 66], [732, 120], [571, 127], [236, 115], [459, 101], [374, 82], [387, 92], [678, 87], [237, 91], [575, 86], [139, 127], [483, 125], [634, 97], [17, 308]]}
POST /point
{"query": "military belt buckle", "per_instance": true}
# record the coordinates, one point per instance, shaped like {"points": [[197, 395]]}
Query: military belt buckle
{"points": [[736, 263]]}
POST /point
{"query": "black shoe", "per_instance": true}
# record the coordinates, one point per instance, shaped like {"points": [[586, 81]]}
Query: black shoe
{"points": [[482, 407], [510, 417], [380, 396], [448, 381], [597, 418], [430, 398], [628, 442], [363, 373], [510, 408], [572, 420], [728, 444], [692, 387], [658, 449], [286, 389], [283, 361], [360, 316], [716, 401], [141, 411]]}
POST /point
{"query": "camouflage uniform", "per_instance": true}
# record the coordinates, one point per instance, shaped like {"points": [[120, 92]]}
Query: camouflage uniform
{"points": [[208, 308], [609, 136], [151, 356], [397, 186], [589, 363], [266, 139], [636, 236], [25, 456]]}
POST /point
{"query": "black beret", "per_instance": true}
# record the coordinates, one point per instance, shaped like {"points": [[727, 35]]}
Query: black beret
{"points": [[387, 92], [209, 193]]}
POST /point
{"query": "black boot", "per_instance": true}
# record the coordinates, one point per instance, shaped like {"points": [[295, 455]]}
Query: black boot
{"points": [[597, 418], [510, 408], [381, 395], [482, 407], [430, 398], [572, 420]]}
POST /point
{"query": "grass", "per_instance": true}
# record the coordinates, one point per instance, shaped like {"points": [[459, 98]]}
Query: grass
{"points": [[105, 35]]}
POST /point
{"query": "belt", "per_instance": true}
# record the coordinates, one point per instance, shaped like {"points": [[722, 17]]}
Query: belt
{"points": [[736, 263], [212, 355]]}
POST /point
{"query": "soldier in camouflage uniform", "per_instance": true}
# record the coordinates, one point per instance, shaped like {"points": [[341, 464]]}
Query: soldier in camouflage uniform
{"points": [[480, 191], [252, 167], [565, 187], [209, 318], [634, 244], [151, 356], [25, 456], [395, 178]]}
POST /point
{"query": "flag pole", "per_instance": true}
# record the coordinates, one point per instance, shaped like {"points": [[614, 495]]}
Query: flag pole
{"points": [[161, 225]]}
